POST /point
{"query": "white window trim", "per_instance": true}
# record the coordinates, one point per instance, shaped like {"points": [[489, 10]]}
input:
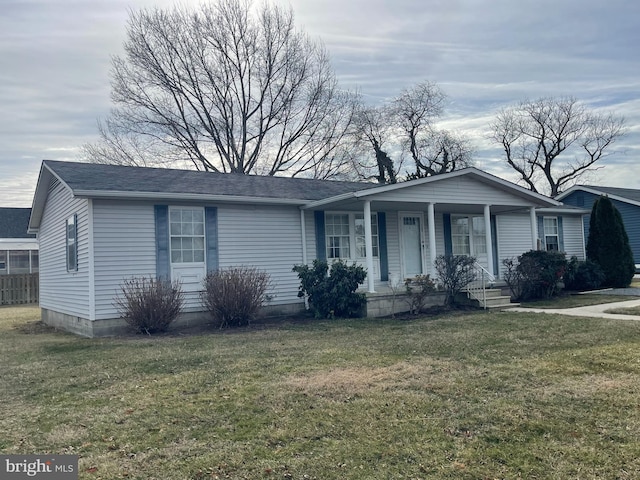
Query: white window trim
{"points": [[204, 236], [545, 234], [470, 234], [352, 236]]}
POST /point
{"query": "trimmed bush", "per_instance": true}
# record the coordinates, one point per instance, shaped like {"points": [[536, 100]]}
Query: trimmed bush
{"points": [[331, 293], [583, 276], [418, 289], [149, 305], [608, 244], [536, 275], [455, 272], [233, 296]]}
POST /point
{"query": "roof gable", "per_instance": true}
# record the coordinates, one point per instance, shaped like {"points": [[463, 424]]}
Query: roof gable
{"points": [[627, 195]]}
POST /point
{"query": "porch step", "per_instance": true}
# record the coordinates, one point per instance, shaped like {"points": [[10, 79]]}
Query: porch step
{"points": [[493, 299]]}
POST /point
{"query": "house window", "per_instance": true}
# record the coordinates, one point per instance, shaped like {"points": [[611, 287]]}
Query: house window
{"points": [[345, 229], [187, 235], [19, 261], [72, 243], [35, 261], [337, 235], [468, 235], [361, 250], [3, 261], [551, 233]]}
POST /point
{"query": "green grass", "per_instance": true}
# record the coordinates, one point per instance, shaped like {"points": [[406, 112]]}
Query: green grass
{"points": [[572, 301], [465, 396], [625, 311]]}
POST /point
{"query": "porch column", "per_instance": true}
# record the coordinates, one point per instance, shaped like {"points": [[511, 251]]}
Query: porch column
{"points": [[368, 245], [431, 222], [534, 228], [487, 232]]}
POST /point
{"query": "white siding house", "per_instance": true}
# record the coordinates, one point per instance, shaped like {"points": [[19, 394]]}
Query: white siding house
{"points": [[100, 225]]}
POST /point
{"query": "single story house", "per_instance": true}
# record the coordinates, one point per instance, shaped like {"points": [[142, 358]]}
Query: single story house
{"points": [[100, 224], [626, 200], [18, 249]]}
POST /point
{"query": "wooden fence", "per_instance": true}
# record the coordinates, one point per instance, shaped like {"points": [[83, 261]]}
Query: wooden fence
{"points": [[18, 289]]}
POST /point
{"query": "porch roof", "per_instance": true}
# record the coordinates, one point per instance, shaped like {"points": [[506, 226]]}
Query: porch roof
{"points": [[448, 192]]}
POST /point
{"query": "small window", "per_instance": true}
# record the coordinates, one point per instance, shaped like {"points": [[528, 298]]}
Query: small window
{"points": [[35, 261], [19, 261], [72, 243], [3, 261], [468, 235], [551, 233], [187, 235]]}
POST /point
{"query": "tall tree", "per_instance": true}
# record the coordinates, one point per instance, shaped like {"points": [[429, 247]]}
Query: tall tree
{"points": [[608, 244], [406, 128], [551, 142], [229, 87]]}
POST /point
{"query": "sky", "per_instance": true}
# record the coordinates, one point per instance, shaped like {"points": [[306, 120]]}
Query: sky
{"points": [[55, 58]]}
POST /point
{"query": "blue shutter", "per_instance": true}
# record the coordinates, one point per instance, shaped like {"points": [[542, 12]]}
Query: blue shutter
{"points": [[448, 245], [163, 269], [382, 247], [321, 245], [543, 243], [211, 234], [560, 235]]}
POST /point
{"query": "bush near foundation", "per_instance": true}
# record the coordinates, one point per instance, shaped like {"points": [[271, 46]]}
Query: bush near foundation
{"points": [[332, 293], [537, 274], [234, 296], [149, 305], [583, 276]]}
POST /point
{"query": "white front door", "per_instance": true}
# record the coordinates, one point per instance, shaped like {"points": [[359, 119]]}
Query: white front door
{"points": [[411, 244]]}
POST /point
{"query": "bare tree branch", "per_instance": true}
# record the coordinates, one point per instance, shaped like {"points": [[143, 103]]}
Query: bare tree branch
{"points": [[551, 142]]}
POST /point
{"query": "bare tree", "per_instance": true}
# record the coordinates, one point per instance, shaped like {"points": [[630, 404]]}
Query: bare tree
{"points": [[373, 132], [551, 142], [441, 151], [226, 88], [406, 127]]}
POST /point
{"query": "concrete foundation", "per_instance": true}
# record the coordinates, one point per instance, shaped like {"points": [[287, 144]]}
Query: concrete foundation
{"points": [[384, 304], [117, 326]]}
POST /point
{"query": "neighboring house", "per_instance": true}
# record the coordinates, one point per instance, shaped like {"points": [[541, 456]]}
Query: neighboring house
{"points": [[626, 200], [18, 249], [99, 224]]}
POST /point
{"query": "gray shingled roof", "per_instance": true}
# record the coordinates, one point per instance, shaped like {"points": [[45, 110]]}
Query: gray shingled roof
{"points": [[14, 222], [90, 177], [629, 193]]}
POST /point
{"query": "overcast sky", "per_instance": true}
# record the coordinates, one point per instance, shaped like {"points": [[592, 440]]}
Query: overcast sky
{"points": [[55, 61]]}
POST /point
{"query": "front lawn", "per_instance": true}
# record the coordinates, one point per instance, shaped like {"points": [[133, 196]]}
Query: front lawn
{"points": [[577, 300], [467, 396]]}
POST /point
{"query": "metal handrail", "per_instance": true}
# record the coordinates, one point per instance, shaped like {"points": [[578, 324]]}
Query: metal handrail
{"points": [[479, 291]]}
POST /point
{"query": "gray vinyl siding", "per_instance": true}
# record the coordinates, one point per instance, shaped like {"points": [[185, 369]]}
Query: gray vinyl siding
{"points": [[393, 243], [458, 190], [572, 236], [514, 237], [60, 290], [124, 247], [266, 237]]}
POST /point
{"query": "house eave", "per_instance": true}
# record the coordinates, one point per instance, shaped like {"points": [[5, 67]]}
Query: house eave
{"points": [[187, 197]]}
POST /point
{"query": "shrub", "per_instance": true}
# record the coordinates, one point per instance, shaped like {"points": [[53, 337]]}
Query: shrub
{"points": [[455, 272], [537, 274], [418, 289], [608, 244], [582, 276], [149, 305], [333, 294], [233, 296]]}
